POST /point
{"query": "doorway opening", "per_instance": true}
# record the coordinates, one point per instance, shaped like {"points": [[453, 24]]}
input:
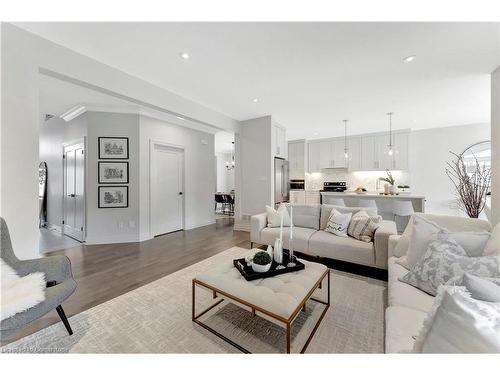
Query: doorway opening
{"points": [[225, 167]]}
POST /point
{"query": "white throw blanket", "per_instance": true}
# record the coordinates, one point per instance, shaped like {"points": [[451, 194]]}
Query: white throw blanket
{"points": [[19, 293]]}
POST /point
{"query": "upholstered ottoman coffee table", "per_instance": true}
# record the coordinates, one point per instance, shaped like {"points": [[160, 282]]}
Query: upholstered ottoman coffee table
{"points": [[279, 299]]}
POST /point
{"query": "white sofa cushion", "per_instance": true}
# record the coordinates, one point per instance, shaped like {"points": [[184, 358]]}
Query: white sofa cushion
{"points": [[425, 231], [395, 269], [301, 237], [401, 294], [327, 245], [305, 215], [493, 245], [402, 326], [451, 223]]}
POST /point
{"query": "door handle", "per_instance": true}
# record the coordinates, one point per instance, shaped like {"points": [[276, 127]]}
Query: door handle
{"points": [[180, 192], [72, 195]]}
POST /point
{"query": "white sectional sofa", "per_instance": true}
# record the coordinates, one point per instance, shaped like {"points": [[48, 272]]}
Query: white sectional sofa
{"points": [[408, 306], [311, 239]]}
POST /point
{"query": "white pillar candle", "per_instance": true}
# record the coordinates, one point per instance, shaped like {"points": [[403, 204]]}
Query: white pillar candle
{"points": [[291, 222], [281, 228]]}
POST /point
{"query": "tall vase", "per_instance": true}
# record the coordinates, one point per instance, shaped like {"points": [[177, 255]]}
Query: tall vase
{"points": [[278, 251]]}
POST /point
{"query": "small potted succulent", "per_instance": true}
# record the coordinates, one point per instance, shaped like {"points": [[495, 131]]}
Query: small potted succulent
{"points": [[261, 262]]}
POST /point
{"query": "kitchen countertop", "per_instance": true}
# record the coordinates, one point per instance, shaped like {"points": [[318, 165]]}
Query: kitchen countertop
{"points": [[373, 194]]}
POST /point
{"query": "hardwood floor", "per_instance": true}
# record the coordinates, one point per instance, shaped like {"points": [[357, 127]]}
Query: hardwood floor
{"points": [[104, 272]]}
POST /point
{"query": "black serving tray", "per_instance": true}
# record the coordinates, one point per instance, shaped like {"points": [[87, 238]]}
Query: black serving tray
{"points": [[249, 274]]}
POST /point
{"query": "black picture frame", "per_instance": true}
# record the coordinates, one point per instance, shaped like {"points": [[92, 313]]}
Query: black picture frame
{"points": [[107, 157], [99, 176], [99, 194]]}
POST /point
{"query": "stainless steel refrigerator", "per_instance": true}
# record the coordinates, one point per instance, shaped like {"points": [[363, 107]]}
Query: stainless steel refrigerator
{"points": [[281, 182]]}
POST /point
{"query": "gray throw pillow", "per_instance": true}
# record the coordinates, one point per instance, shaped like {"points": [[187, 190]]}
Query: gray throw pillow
{"points": [[445, 259]]}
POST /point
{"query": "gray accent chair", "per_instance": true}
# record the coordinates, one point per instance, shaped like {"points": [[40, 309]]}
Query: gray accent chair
{"points": [[60, 284]]}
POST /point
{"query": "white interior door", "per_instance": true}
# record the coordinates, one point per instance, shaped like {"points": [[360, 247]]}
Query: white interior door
{"points": [[167, 185], [74, 191]]}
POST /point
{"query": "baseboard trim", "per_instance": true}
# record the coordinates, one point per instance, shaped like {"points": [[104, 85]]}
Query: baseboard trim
{"points": [[56, 228], [105, 241], [188, 227]]}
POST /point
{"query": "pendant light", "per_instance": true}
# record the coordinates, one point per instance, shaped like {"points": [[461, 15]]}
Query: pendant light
{"points": [[346, 150], [390, 146], [230, 166]]}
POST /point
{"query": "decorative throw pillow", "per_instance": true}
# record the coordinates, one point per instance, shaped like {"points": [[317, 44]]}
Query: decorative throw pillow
{"points": [[362, 227], [274, 216], [425, 231], [458, 323], [481, 288], [444, 260], [326, 210], [338, 223], [493, 245]]}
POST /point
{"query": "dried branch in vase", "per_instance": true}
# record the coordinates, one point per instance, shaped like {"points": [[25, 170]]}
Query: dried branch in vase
{"points": [[470, 187]]}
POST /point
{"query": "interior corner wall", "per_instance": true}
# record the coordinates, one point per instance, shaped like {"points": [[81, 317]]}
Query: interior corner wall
{"points": [[112, 225], [199, 171], [429, 152], [254, 160], [495, 146], [54, 133], [23, 55]]}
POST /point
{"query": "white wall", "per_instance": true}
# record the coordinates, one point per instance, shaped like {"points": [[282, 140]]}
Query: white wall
{"points": [[108, 225], [429, 152], [53, 134], [254, 167], [225, 177], [23, 56], [495, 145], [200, 174]]}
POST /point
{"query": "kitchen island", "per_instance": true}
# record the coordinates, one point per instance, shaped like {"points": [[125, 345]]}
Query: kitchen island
{"points": [[385, 203]]}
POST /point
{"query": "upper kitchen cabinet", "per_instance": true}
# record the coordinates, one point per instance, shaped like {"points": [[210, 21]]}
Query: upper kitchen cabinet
{"points": [[374, 152], [354, 152], [325, 154], [338, 153], [280, 148], [297, 158], [313, 157]]}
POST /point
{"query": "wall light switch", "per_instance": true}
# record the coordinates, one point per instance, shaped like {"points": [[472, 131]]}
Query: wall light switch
{"points": [[204, 142]]}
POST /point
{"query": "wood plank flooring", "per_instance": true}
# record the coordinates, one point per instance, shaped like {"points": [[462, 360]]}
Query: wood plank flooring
{"points": [[104, 272]]}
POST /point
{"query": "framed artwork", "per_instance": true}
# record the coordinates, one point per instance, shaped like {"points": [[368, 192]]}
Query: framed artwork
{"points": [[112, 197], [113, 147], [112, 172]]}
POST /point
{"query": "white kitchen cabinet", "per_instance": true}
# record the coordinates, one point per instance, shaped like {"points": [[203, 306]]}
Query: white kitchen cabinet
{"points": [[296, 159], [325, 154], [354, 151], [280, 145], [313, 157], [297, 197], [368, 162], [401, 147], [312, 197], [338, 153]]}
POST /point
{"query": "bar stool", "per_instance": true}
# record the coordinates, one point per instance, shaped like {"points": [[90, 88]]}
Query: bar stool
{"points": [[402, 211]]}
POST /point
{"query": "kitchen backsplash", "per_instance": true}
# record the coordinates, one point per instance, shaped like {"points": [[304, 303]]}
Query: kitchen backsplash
{"points": [[368, 180]]}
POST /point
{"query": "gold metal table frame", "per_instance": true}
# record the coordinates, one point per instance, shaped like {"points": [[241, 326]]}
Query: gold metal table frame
{"points": [[287, 321]]}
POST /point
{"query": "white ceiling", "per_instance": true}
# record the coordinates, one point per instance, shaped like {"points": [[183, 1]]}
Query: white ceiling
{"points": [[309, 76]]}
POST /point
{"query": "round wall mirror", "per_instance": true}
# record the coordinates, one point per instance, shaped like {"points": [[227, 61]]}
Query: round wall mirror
{"points": [[480, 151]]}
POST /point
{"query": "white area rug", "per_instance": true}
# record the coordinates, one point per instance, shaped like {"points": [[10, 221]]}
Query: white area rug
{"points": [[156, 318]]}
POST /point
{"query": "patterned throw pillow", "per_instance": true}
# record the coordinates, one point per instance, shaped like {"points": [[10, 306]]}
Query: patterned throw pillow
{"points": [[446, 259], [338, 223], [362, 227]]}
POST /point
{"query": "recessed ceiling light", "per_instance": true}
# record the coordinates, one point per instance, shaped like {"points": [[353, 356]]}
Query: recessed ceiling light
{"points": [[410, 58], [180, 118], [255, 100], [184, 55], [316, 133]]}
